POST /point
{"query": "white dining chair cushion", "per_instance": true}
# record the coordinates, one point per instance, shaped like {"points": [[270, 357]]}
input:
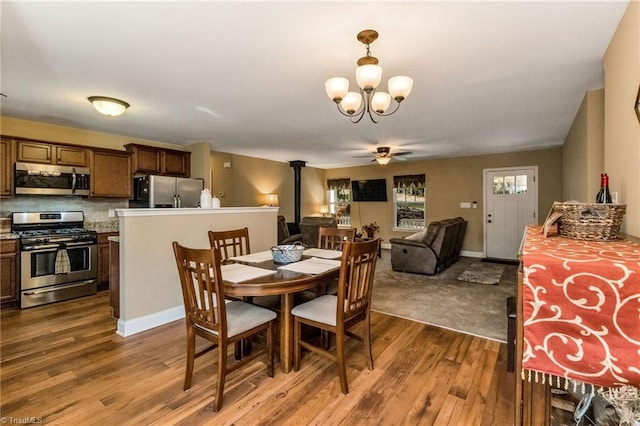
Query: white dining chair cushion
{"points": [[321, 309], [243, 316]]}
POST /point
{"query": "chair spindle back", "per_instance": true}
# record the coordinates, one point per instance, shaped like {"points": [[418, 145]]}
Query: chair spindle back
{"points": [[231, 243], [202, 289]]}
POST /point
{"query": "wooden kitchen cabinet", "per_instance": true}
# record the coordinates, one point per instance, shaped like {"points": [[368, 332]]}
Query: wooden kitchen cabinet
{"points": [[103, 259], [9, 273], [111, 174], [176, 163], [6, 177], [42, 152], [146, 159], [161, 161]]}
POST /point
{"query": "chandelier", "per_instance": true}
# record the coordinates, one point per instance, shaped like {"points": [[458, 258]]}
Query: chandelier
{"points": [[368, 100]]}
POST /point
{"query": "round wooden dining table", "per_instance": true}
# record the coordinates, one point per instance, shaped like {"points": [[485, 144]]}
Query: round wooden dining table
{"points": [[285, 284]]}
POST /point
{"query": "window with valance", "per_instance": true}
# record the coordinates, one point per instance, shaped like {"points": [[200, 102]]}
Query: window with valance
{"points": [[343, 184], [409, 200], [339, 199], [409, 181]]}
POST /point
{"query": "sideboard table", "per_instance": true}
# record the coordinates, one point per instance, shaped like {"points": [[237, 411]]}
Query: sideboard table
{"points": [[577, 318]]}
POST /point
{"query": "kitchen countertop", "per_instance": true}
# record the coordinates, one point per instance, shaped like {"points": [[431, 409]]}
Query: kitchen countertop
{"points": [[8, 236], [102, 226]]}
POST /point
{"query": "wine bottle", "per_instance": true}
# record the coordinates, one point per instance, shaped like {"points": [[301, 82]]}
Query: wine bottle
{"points": [[607, 194], [599, 194], [604, 196]]}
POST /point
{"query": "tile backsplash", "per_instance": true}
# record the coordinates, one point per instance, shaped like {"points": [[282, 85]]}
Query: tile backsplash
{"points": [[96, 211]]}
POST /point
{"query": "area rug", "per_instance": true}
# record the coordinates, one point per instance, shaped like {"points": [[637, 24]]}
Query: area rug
{"points": [[443, 301], [482, 273]]}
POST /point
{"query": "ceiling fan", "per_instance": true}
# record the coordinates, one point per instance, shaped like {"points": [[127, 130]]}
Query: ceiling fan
{"points": [[383, 155]]}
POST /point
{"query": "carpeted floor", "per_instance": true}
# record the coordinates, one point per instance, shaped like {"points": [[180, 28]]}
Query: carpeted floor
{"points": [[444, 301]]}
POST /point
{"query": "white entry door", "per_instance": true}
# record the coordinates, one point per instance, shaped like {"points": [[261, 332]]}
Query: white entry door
{"points": [[511, 203]]}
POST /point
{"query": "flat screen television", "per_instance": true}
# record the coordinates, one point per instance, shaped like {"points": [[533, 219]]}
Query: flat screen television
{"points": [[369, 190]]}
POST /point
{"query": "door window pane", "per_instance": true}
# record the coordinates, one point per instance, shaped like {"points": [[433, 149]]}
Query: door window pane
{"points": [[521, 184], [506, 185]]}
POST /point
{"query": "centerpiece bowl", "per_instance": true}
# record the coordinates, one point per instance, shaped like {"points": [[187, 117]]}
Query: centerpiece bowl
{"points": [[287, 253]]}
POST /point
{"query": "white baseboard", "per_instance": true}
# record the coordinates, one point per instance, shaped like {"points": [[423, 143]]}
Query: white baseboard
{"points": [[138, 325], [467, 253]]}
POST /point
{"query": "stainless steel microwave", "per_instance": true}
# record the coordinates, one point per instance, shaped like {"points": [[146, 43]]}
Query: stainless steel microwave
{"points": [[46, 179]]}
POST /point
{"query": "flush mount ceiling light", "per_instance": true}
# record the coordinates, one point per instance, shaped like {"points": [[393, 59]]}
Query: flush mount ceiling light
{"points": [[108, 106], [368, 75]]}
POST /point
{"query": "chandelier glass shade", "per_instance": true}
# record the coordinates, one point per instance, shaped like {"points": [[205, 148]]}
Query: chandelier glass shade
{"points": [[108, 106], [368, 100], [383, 160]]}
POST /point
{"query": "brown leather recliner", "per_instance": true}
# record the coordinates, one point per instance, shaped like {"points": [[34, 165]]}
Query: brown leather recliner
{"points": [[429, 251], [283, 232]]}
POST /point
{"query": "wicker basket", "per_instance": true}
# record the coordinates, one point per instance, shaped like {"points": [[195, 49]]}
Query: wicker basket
{"points": [[287, 253], [590, 221]]}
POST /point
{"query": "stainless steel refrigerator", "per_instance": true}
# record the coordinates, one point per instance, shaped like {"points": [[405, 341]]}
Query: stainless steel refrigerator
{"points": [[166, 191]]}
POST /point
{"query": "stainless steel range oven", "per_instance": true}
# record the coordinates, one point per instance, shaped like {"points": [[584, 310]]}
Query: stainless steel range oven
{"points": [[58, 257]]}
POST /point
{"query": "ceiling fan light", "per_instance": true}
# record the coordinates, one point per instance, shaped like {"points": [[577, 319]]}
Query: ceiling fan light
{"points": [[351, 102], [368, 76], [400, 87], [108, 106], [383, 160], [336, 88], [380, 102]]}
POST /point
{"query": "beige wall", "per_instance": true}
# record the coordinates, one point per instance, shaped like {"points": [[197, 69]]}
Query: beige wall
{"points": [[10, 126], [583, 150], [451, 181], [200, 165], [149, 294], [621, 127], [245, 183], [248, 179]]}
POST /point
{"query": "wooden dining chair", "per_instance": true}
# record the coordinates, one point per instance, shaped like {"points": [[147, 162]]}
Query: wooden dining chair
{"points": [[208, 316], [337, 314], [231, 243], [334, 238]]}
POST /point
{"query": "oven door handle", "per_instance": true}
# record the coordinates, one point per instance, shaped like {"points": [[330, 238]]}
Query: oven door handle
{"points": [[57, 246], [56, 288], [79, 243], [44, 247]]}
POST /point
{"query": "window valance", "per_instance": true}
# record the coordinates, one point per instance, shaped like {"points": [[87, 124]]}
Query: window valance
{"points": [[339, 183], [409, 181]]}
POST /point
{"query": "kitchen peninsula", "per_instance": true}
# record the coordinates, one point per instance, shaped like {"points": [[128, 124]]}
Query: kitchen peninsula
{"points": [[150, 292]]}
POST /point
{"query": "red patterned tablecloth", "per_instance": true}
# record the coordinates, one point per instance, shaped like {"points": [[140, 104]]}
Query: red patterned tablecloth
{"points": [[581, 309]]}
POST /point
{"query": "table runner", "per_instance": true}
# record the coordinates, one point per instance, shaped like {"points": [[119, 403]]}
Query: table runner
{"points": [[581, 309]]}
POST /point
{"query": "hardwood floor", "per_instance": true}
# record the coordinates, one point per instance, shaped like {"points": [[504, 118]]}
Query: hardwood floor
{"points": [[65, 364]]}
